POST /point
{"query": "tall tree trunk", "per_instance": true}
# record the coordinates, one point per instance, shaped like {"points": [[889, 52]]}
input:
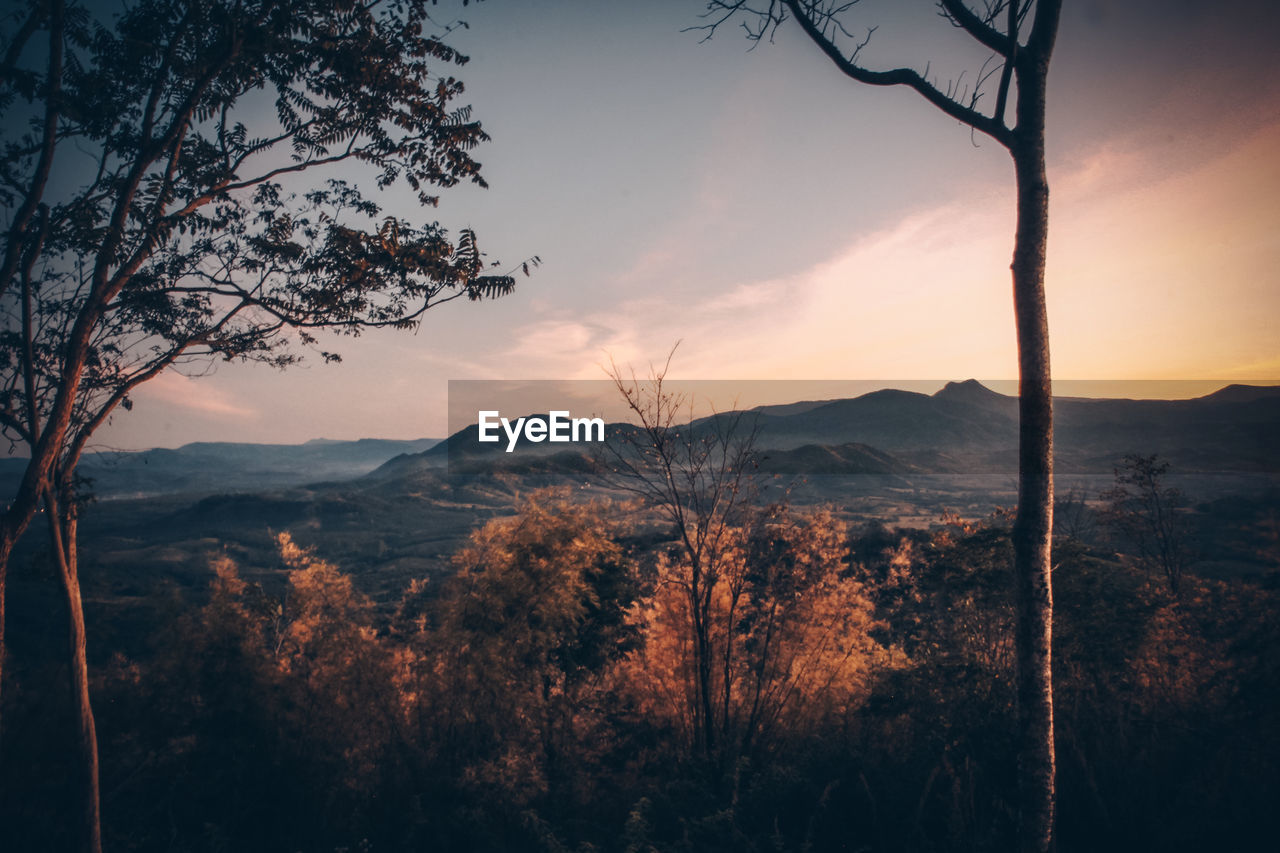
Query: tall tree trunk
{"points": [[37, 476], [62, 529], [13, 523], [1032, 530], [23, 506], [5, 549], [702, 661]]}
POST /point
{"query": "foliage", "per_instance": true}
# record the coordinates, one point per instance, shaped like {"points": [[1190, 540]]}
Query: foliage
{"points": [[539, 699], [181, 241], [163, 171], [518, 649], [789, 634], [699, 480], [171, 174], [1018, 37]]}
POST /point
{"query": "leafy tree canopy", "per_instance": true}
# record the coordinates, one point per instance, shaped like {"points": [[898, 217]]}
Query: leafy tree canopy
{"points": [[155, 169]]}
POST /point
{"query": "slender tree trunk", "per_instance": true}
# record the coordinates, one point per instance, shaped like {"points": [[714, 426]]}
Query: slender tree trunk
{"points": [[4, 571], [23, 507], [1032, 529], [702, 655], [37, 476], [12, 525], [63, 533]]}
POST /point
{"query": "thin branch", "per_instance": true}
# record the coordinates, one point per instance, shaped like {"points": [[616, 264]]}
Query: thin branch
{"points": [[1011, 59], [899, 77], [990, 37], [28, 355], [20, 40]]}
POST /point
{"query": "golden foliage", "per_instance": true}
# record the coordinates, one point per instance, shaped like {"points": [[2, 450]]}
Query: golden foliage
{"points": [[788, 628], [524, 634]]}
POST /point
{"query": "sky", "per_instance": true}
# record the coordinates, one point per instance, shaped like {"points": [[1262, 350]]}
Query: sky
{"points": [[780, 221]]}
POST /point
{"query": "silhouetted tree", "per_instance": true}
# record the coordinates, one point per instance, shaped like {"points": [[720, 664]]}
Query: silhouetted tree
{"points": [[1020, 35], [150, 169], [1146, 514], [1073, 519], [275, 719]]}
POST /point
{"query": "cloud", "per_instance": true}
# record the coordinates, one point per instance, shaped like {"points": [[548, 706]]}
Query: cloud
{"points": [[1152, 272], [195, 395], [881, 307]]}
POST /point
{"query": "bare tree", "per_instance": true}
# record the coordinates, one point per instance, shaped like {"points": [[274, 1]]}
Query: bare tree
{"points": [[700, 479], [1073, 519], [1146, 514], [1020, 36]]}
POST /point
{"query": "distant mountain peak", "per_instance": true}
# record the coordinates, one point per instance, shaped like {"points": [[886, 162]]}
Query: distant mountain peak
{"points": [[1239, 393], [970, 391]]}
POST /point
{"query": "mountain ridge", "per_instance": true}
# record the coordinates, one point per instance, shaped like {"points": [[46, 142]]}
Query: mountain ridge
{"points": [[965, 427]]}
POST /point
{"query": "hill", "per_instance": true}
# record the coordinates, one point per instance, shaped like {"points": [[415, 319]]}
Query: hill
{"points": [[207, 467]]}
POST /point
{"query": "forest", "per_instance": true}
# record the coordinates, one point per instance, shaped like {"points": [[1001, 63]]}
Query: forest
{"points": [[588, 677]]}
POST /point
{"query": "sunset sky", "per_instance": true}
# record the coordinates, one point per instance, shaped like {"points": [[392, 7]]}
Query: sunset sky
{"points": [[784, 222]]}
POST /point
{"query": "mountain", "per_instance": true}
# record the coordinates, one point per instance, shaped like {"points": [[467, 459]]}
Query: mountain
{"points": [[897, 421], [395, 508], [1242, 394], [964, 428], [851, 458], [206, 467], [968, 428], [1232, 431]]}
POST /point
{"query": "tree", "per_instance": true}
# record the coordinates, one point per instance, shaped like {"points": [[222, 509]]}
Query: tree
{"points": [[269, 720], [756, 635], [1020, 35], [787, 627], [157, 173], [1142, 510], [525, 634], [699, 479]]}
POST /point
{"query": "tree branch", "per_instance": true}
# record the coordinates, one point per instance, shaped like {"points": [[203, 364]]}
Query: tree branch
{"points": [[1011, 59], [20, 40], [988, 36], [898, 77], [1044, 29], [53, 109]]}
